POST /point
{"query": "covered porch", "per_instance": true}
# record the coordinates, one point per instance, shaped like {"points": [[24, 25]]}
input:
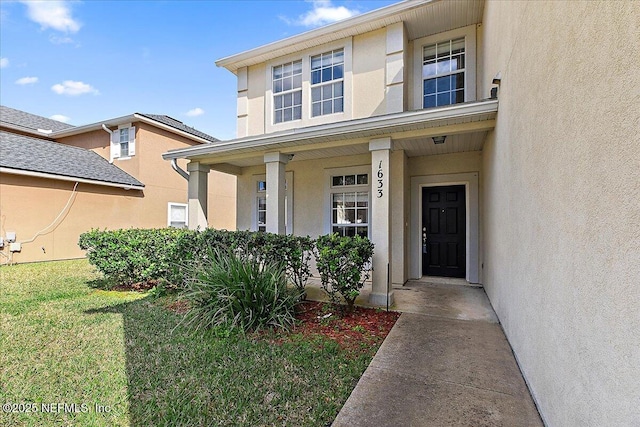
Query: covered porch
{"points": [[285, 180]]}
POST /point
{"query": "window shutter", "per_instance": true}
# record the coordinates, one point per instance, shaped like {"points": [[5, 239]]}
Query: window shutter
{"points": [[132, 141], [115, 144]]}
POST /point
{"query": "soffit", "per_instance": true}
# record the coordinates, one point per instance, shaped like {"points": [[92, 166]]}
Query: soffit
{"points": [[422, 18], [464, 125]]}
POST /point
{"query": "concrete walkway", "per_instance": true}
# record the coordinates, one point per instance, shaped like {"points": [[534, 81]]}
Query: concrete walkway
{"points": [[446, 362]]}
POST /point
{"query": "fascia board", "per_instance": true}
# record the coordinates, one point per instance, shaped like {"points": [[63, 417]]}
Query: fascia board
{"points": [[350, 25], [69, 178], [341, 128], [121, 120]]}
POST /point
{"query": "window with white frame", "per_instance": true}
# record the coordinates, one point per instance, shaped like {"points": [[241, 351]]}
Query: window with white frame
{"points": [[287, 92], [261, 205], [327, 83], [349, 197], [443, 73], [177, 215], [123, 142]]}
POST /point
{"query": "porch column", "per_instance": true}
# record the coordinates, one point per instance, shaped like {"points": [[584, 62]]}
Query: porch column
{"points": [[275, 191], [198, 180], [381, 291]]}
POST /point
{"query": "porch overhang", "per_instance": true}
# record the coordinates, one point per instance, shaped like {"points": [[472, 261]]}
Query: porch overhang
{"points": [[465, 126]]}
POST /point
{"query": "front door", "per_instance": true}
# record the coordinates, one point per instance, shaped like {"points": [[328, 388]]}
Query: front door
{"points": [[443, 231]]}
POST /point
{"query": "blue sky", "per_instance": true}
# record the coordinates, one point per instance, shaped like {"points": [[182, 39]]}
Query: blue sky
{"points": [[86, 61]]}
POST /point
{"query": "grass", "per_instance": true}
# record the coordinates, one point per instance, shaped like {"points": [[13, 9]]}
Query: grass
{"points": [[65, 342]]}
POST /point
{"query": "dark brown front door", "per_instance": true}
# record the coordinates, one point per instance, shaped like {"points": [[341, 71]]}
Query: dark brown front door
{"points": [[443, 231]]}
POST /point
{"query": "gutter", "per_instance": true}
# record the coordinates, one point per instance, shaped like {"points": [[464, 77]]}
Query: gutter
{"points": [[110, 132], [379, 124], [70, 178], [232, 62], [125, 119]]}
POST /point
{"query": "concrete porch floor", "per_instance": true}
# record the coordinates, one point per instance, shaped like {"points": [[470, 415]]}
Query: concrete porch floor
{"points": [[446, 362]]}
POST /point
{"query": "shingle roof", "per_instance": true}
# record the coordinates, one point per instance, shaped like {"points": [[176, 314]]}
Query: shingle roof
{"points": [[30, 121], [38, 155], [170, 121]]}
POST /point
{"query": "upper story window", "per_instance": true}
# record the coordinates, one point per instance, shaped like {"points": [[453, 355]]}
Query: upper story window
{"points": [[327, 83], [123, 142], [306, 88], [287, 92], [443, 73], [444, 69]]}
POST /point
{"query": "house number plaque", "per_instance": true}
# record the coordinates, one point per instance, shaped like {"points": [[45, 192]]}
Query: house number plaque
{"points": [[380, 182]]}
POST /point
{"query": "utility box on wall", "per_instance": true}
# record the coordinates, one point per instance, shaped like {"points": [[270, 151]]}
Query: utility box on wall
{"points": [[15, 247]]}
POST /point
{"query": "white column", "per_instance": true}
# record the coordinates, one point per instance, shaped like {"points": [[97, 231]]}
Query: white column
{"points": [[275, 163], [198, 180], [381, 292]]}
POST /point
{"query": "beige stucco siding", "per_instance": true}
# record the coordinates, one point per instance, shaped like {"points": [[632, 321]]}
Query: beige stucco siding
{"points": [[561, 189], [257, 85], [369, 56], [29, 204]]}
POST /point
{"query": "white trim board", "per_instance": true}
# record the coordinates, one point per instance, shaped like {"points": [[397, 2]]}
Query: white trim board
{"points": [[472, 206]]}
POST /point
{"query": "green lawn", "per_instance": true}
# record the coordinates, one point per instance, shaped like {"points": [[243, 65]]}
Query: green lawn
{"points": [[64, 342]]}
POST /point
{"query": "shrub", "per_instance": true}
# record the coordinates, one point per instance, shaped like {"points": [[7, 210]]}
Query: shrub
{"points": [[344, 264], [132, 255], [227, 290]]}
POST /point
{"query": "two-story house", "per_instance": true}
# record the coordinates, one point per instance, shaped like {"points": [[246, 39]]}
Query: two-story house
{"points": [[384, 125], [58, 181]]}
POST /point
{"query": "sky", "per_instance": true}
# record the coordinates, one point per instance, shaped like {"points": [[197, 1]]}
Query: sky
{"points": [[82, 62]]}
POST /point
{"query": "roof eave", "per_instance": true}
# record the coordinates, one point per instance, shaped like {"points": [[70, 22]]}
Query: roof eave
{"points": [[35, 174], [136, 117], [231, 62], [337, 128]]}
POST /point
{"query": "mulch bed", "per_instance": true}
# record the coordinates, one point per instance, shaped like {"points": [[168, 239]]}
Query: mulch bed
{"points": [[352, 331]]}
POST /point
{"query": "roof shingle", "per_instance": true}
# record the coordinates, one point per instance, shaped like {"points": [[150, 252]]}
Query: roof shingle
{"points": [[38, 155], [177, 124], [30, 121]]}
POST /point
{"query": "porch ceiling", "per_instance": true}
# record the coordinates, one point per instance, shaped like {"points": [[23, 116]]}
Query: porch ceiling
{"points": [[465, 126]]}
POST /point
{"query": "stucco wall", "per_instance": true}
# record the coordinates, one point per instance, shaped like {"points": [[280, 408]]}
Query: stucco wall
{"points": [[29, 204], [369, 59], [561, 195]]}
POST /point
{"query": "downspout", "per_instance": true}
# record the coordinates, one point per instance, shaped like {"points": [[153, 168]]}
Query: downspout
{"points": [[110, 132], [174, 165]]}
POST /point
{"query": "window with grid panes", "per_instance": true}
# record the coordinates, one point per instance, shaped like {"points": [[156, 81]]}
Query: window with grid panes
{"points": [[327, 83], [443, 73], [350, 205], [287, 92], [262, 206]]}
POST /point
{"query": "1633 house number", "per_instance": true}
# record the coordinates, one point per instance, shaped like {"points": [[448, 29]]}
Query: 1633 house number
{"points": [[380, 174]]}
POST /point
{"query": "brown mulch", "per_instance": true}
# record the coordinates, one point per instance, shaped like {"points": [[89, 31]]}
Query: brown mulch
{"points": [[352, 331]]}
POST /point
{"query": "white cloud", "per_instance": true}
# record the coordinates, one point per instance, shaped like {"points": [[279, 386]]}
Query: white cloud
{"points": [[71, 88], [323, 12], [60, 40], [4, 62], [60, 118], [52, 14], [27, 81], [195, 112]]}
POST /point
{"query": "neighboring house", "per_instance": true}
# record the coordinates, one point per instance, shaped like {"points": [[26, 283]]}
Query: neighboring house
{"points": [[384, 125], [58, 181]]}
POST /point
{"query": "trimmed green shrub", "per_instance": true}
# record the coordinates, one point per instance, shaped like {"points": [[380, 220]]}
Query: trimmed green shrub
{"points": [[132, 255], [344, 264], [228, 289], [140, 255]]}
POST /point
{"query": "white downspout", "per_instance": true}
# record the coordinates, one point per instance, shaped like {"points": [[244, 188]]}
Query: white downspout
{"points": [[110, 132], [174, 165]]}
